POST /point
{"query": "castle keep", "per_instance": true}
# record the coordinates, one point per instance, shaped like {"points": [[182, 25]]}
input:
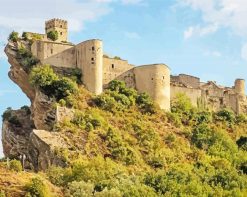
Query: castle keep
{"points": [[98, 70]]}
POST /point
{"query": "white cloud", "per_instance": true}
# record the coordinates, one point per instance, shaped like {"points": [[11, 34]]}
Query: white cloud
{"points": [[224, 13], [29, 15], [132, 35], [199, 31], [218, 14]]}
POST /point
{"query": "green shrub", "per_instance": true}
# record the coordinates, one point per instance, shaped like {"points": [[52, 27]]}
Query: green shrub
{"points": [[7, 114], [2, 193], [119, 150], [108, 193], [42, 76], [81, 189], [202, 136], [88, 121], [137, 190], [59, 176], [203, 117], [15, 165], [145, 103], [37, 188], [225, 115], [14, 36], [25, 35], [108, 103], [51, 84], [181, 104], [53, 35], [242, 143], [241, 119], [27, 109]]}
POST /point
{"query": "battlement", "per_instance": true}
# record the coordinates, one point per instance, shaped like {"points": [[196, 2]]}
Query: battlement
{"points": [[155, 79], [56, 23]]}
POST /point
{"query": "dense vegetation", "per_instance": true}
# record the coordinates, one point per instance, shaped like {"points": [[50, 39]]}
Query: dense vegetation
{"points": [[121, 144], [131, 148]]}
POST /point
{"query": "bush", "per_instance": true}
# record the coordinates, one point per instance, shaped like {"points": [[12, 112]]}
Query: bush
{"points": [[50, 84], [119, 150], [15, 165], [7, 114], [145, 103], [26, 109], [27, 59], [37, 188], [53, 35], [202, 136], [87, 121], [242, 143], [225, 115], [81, 189], [108, 193], [2, 193], [43, 76], [137, 190], [59, 176], [14, 36]]}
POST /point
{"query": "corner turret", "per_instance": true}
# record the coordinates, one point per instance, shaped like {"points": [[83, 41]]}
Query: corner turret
{"points": [[240, 86]]}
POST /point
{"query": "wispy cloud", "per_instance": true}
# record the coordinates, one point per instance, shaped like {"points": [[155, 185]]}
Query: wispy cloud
{"points": [[218, 14], [200, 31]]}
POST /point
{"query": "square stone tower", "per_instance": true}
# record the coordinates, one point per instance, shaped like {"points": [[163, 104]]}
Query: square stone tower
{"points": [[59, 25]]}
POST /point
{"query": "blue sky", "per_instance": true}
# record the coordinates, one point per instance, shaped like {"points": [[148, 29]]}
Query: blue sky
{"points": [[206, 38]]}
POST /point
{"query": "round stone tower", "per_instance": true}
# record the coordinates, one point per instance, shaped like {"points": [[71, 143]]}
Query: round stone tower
{"points": [[240, 86], [155, 80], [89, 59]]}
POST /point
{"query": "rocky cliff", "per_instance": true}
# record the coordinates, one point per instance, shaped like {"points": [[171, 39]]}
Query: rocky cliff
{"points": [[26, 131]]}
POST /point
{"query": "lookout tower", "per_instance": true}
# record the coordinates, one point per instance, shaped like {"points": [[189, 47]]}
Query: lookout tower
{"points": [[59, 25], [240, 86]]}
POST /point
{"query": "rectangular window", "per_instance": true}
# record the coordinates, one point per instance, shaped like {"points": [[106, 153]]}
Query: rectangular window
{"points": [[112, 66], [51, 51], [61, 33], [92, 59], [93, 49]]}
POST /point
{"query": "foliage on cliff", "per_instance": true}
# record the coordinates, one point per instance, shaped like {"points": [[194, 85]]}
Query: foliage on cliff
{"points": [[121, 144]]}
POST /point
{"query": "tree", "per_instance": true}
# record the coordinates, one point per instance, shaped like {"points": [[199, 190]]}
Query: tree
{"points": [[53, 35]]}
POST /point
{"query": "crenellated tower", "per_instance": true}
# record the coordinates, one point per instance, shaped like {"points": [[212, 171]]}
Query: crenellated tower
{"points": [[59, 25]]}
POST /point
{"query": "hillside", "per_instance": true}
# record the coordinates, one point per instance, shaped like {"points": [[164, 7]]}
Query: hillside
{"points": [[118, 143]]}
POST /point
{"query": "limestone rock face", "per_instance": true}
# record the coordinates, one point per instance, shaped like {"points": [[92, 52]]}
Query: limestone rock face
{"points": [[43, 113], [16, 130], [28, 131], [44, 147], [17, 74]]}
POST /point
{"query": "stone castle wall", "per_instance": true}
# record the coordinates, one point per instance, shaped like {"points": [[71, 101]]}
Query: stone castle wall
{"points": [[155, 80], [98, 70], [193, 93], [113, 68]]}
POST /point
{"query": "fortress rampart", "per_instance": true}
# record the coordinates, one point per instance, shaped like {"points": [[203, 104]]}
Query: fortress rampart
{"points": [[99, 69]]}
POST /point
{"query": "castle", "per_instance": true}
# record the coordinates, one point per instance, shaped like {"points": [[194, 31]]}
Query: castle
{"points": [[98, 70]]}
